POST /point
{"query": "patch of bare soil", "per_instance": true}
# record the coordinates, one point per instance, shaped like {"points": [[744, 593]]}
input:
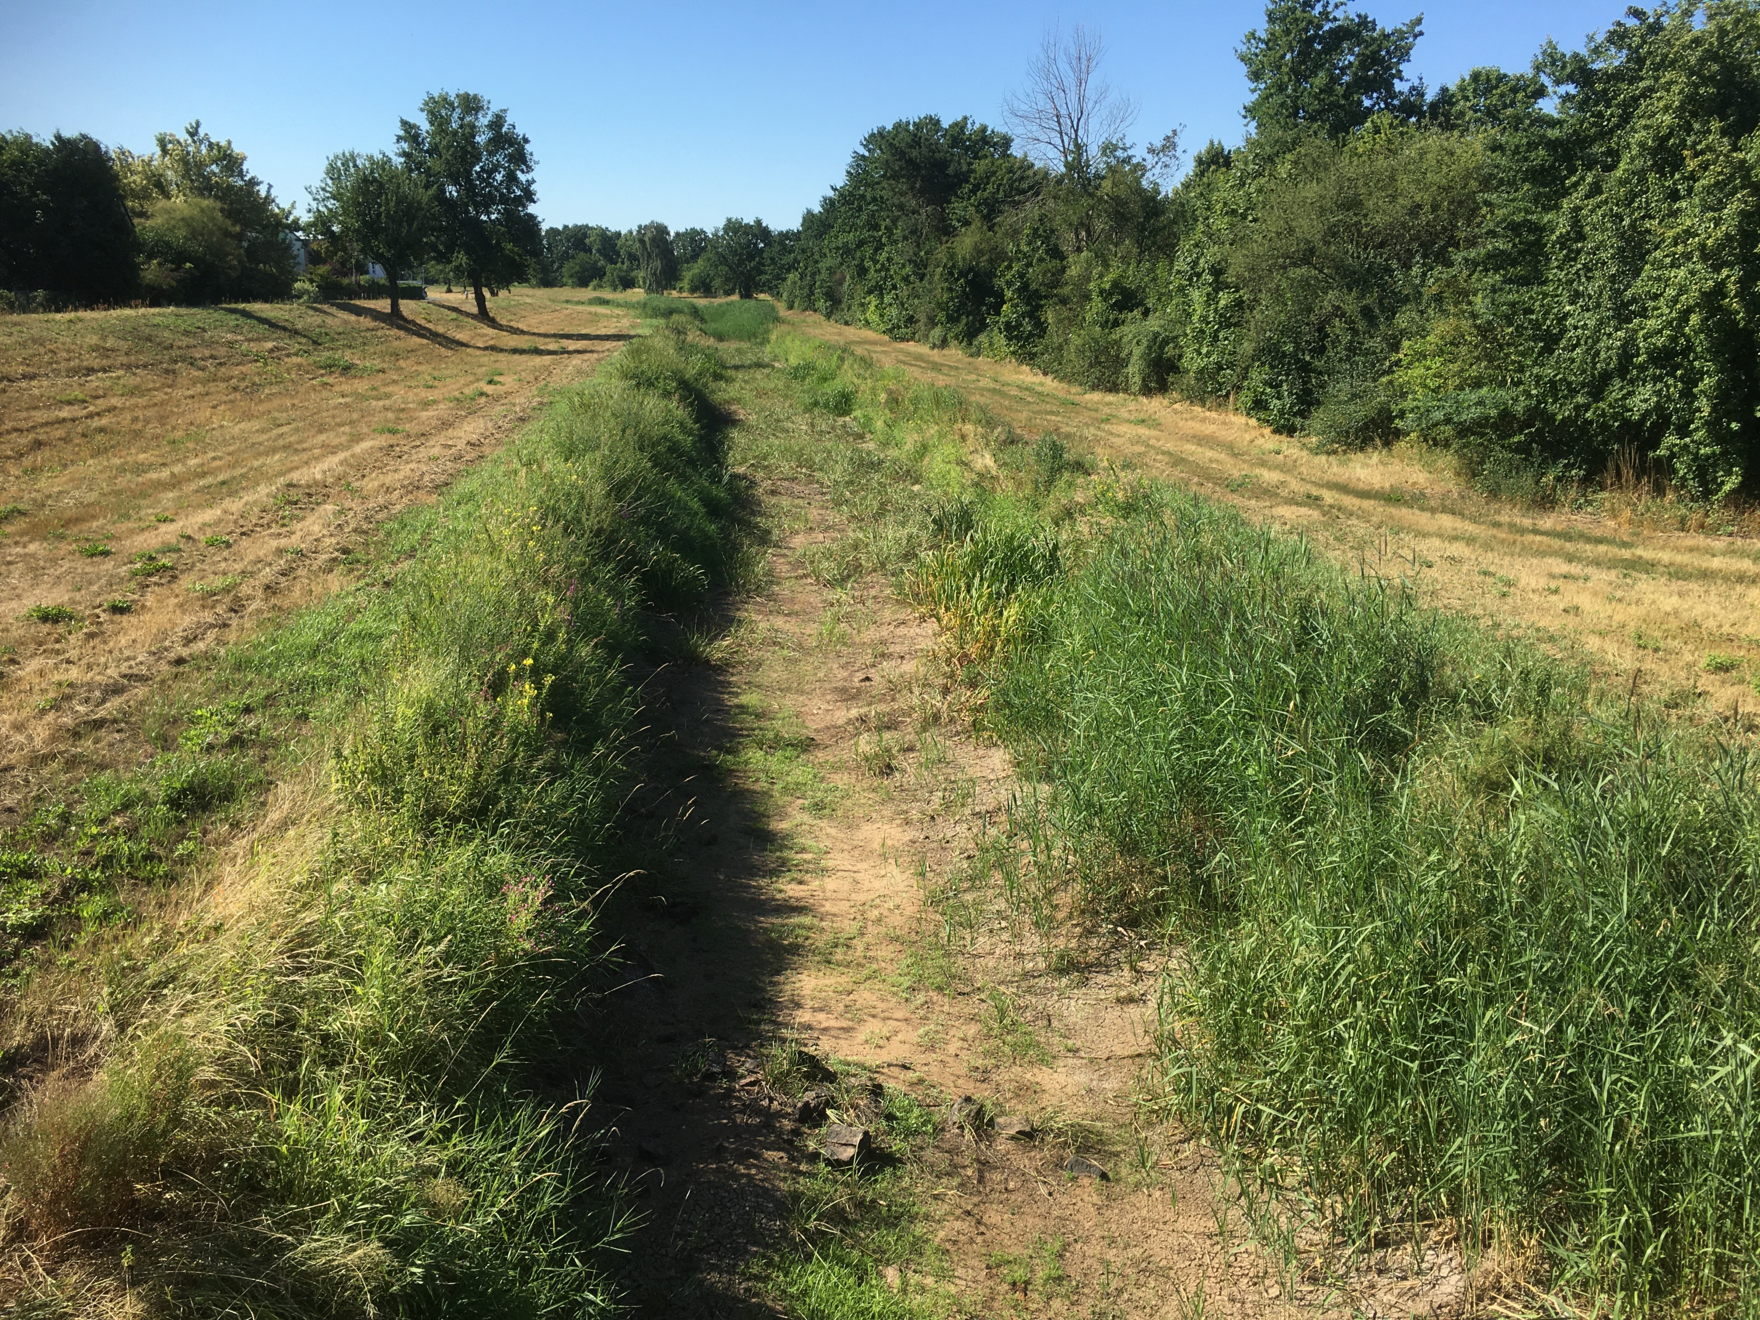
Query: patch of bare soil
{"points": [[221, 464], [818, 789]]}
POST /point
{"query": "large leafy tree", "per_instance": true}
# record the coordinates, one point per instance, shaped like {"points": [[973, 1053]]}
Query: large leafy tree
{"points": [[1315, 65], [1610, 300], [870, 251], [578, 254], [190, 252], [378, 206], [64, 226], [200, 168], [733, 261], [478, 168]]}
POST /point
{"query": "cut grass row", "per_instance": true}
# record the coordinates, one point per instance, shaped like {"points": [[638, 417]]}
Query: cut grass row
{"points": [[352, 1094], [1469, 947]]}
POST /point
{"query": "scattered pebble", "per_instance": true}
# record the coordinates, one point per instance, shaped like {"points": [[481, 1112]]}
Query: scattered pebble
{"points": [[1079, 1166]]}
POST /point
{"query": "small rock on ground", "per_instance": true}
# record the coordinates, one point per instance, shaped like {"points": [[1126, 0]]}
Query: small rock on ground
{"points": [[1078, 1166], [847, 1144]]}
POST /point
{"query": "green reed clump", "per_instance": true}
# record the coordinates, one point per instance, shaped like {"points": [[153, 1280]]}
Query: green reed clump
{"points": [[750, 319], [1463, 942], [334, 1102]]}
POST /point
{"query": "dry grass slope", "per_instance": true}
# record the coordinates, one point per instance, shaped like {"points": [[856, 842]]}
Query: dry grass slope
{"points": [[175, 474]]}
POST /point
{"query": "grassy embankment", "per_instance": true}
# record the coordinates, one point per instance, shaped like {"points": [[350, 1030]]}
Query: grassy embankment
{"points": [[1636, 585], [172, 478], [336, 1084], [1469, 945]]}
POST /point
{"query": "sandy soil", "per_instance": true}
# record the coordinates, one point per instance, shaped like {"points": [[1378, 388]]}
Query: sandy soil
{"points": [[1645, 606], [248, 450]]}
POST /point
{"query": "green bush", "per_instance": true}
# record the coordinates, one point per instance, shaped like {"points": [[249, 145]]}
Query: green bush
{"points": [[1094, 358], [582, 270], [1151, 350], [190, 252]]}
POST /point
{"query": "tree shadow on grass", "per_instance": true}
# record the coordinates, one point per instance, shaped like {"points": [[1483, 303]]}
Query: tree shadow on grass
{"points": [[510, 329], [267, 322], [420, 330]]}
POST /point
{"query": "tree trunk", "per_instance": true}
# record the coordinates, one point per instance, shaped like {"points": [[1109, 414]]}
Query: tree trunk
{"points": [[482, 306], [391, 279]]}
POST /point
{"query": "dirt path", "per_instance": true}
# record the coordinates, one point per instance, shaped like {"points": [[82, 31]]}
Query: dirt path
{"points": [[245, 452], [823, 792], [1633, 599]]}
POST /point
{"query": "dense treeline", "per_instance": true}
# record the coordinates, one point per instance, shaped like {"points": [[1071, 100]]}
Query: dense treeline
{"points": [[63, 222], [1541, 270], [187, 222], [738, 257]]}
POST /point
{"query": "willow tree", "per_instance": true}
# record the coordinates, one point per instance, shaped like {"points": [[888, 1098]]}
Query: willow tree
{"points": [[656, 261]]}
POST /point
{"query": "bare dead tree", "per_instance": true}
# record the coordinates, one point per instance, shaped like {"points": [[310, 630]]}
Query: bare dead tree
{"points": [[1064, 114]]}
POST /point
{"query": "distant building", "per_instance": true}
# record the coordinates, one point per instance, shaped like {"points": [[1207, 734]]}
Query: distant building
{"points": [[305, 256]]}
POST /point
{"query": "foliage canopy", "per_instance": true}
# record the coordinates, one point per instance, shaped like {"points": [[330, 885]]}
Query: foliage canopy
{"points": [[478, 168]]}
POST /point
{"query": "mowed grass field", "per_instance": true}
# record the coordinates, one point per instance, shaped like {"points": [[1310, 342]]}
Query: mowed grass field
{"points": [[1657, 597], [170, 474]]}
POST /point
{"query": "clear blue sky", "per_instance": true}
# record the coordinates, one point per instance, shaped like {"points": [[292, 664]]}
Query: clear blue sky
{"points": [[681, 112]]}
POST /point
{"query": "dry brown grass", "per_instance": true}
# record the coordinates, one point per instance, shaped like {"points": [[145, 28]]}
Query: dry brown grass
{"points": [[1647, 589], [247, 448]]}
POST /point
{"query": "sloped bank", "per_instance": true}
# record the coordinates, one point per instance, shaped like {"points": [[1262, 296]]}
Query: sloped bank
{"points": [[340, 1086], [1470, 947]]}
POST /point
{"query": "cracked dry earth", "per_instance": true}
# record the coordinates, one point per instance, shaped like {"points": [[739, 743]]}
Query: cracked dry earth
{"points": [[823, 793]]}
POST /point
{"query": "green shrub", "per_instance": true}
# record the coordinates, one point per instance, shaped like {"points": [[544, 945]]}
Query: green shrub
{"points": [[1354, 413], [582, 270], [1151, 349], [1094, 358]]}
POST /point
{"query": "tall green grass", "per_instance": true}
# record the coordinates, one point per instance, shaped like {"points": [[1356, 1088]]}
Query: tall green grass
{"points": [[1464, 942], [748, 319], [343, 1100]]}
